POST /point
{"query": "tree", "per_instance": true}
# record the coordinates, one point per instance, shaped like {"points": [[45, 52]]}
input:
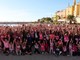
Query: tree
{"points": [[46, 20], [38, 20], [71, 19], [56, 18]]}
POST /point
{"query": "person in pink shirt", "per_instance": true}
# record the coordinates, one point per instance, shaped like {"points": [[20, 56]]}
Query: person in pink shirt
{"points": [[46, 47], [74, 49], [66, 38], [41, 36], [52, 36], [11, 48], [18, 49], [6, 45], [51, 46], [42, 48], [64, 50]]}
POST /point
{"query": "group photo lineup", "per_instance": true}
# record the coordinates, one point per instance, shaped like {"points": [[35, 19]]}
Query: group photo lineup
{"points": [[39, 30]]}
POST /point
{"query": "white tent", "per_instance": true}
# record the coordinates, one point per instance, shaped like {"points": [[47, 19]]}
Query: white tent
{"points": [[78, 19], [61, 20]]}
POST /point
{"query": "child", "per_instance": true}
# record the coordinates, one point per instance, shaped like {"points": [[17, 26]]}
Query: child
{"points": [[11, 48], [36, 46], [29, 50], [18, 49], [23, 48], [51, 46], [57, 50], [74, 50], [64, 50], [42, 48], [46, 47]]}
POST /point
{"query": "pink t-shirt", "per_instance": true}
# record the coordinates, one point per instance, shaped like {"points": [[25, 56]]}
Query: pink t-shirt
{"points": [[59, 42], [6, 44], [51, 36], [41, 37], [42, 47], [66, 39], [46, 45]]}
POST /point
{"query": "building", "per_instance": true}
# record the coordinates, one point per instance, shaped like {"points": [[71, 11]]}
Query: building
{"points": [[77, 10], [61, 14], [70, 10]]}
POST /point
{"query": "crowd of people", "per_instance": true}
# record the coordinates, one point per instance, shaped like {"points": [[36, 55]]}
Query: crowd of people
{"points": [[40, 39]]}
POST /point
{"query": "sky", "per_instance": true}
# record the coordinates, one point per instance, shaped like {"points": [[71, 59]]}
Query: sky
{"points": [[30, 10]]}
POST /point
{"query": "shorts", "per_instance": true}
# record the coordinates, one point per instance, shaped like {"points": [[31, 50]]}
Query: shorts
{"points": [[6, 49]]}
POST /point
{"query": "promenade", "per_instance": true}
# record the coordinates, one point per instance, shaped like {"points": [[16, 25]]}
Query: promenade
{"points": [[38, 57]]}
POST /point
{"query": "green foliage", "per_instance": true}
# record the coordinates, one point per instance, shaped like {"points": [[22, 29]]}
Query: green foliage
{"points": [[46, 20], [71, 19], [56, 17]]}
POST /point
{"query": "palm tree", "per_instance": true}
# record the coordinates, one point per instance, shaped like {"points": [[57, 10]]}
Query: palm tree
{"points": [[56, 18], [71, 19]]}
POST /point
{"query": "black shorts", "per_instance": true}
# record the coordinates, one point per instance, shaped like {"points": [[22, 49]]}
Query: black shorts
{"points": [[6, 49], [23, 50]]}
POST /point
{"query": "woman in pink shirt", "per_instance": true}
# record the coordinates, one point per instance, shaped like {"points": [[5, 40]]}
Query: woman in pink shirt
{"points": [[41, 36], [51, 36], [6, 45], [66, 38]]}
